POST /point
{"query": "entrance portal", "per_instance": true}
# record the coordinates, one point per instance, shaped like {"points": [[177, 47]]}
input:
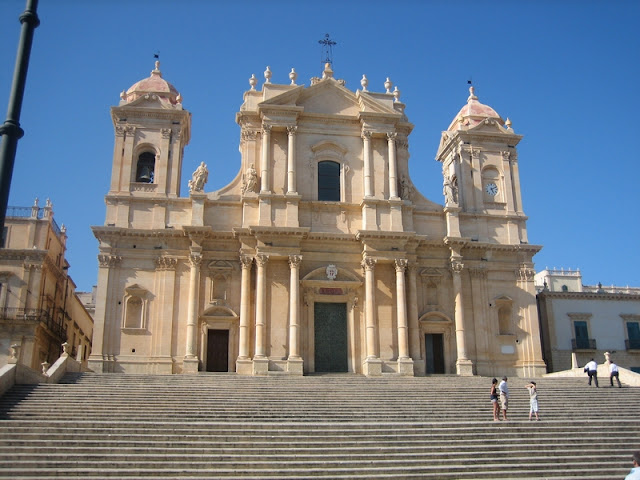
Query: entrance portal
{"points": [[330, 337], [434, 352], [217, 350]]}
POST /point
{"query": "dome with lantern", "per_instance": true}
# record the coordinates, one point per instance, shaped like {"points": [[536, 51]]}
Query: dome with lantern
{"points": [[152, 85], [473, 113]]}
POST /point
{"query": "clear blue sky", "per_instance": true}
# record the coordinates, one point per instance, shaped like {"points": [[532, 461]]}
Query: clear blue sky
{"points": [[565, 72]]}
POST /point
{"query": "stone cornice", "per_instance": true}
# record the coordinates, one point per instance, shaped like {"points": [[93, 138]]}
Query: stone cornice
{"points": [[363, 235], [26, 254], [107, 232]]}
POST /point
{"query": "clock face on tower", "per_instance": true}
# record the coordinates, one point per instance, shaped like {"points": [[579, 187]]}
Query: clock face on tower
{"points": [[491, 189]]}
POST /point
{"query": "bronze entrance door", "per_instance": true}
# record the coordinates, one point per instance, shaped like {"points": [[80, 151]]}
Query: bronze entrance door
{"points": [[434, 352], [218, 351], [330, 334]]}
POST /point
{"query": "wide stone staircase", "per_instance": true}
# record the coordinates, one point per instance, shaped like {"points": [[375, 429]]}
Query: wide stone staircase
{"points": [[225, 426]]}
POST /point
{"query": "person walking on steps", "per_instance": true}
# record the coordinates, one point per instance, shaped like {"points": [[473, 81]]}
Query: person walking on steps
{"points": [[635, 471], [504, 397], [494, 399], [533, 400], [613, 372], [592, 370]]}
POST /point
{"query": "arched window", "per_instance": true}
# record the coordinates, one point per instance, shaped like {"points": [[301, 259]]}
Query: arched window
{"points": [[146, 167], [329, 181], [136, 300]]}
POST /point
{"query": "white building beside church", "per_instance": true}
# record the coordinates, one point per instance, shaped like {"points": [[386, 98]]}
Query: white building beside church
{"points": [[580, 322], [320, 256]]}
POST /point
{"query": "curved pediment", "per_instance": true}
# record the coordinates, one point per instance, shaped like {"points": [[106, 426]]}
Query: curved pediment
{"points": [[435, 317], [219, 311]]}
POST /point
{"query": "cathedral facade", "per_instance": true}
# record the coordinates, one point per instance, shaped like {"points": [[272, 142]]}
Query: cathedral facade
{"points": [[321, 255]]}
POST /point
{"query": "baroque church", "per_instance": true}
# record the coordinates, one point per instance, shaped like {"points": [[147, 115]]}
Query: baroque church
{"points": [[321, 255]]}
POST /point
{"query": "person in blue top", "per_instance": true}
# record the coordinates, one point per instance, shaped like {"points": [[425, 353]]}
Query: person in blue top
{"points": [[635, 471]]}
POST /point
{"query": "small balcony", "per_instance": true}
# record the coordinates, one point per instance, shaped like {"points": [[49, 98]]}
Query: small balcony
{"points": [[583, 344], [36, 316], [632, 344]]}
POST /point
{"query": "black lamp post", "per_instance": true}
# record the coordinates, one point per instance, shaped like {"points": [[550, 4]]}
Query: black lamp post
{"points": [[10, 130]]}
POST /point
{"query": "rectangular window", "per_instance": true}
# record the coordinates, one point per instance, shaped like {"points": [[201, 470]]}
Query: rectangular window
{"points": [[633, 333], [582, 334]]}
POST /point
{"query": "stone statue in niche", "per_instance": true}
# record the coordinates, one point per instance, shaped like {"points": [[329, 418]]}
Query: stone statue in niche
{"points": [[450, 191], [250, 180], [199, 178]]}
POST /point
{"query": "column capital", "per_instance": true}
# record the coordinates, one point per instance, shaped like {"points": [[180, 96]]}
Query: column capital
{"points": [[401, 264], [109, 260], [456, 265], [366, 134], [525, 273], [246, 261], [195, 259], [119, 131], [261, 259], [391, 136], [266, 129], [165, 262], [295, 260], [369, 263], [292, 129]]}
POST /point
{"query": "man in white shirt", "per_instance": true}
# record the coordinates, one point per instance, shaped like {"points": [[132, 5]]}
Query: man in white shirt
{"points": [[504, 397], [592, 370], [635, 471], [613, 372]]}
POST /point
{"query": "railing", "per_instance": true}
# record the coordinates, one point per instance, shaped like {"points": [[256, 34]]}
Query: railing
{"points": [[633, 344], [24, 212], [583, 344], [36, 315]]}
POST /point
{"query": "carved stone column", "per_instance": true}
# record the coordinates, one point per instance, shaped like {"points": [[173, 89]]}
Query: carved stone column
{"points": [[265, 159], [291, 160], [294, 364], [368, 180], [163, 317], [463, 364], [372, 364], [190, 363], [106, 325], [260, 360], [414, 328], [405, 364], [393, 168], [530, 351], [243, 363]]}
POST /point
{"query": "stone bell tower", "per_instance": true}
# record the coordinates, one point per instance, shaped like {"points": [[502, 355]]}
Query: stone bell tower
{"points": [[151, 131], [480, 176]]}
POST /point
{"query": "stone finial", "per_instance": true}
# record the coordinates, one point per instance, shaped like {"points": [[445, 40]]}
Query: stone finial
{"points": [[253, 81], [123, 95], [508, 124], [45, 366], [293, 76], [387, 85], [267, 75], [364, 82], [156, 71], [327, 72], [472, 94], [396, 94], [179, 98], [65, 349], [35, 202]]}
